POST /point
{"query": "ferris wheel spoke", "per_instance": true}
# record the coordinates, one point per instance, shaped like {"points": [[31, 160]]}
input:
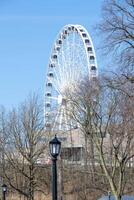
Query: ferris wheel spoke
{"points": [[63, 68], [66, 60], [54, 98], [61, 119], [57, 80], [73, 55], [72, 73], [57, 119]]}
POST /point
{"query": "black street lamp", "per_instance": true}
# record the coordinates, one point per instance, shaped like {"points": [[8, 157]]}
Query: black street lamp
{"points": [[4, 190], [109, 195], [54, 147]]}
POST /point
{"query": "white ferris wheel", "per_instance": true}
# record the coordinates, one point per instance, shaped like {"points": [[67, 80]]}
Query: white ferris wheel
{"points": [[72, 59]]}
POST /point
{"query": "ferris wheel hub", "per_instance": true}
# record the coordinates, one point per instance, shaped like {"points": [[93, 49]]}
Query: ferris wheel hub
{"points": [[61, 100]]}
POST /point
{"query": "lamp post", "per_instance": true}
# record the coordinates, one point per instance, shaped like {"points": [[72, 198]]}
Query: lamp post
{"points": [[54, 147], [109, 195], [4, 190]]}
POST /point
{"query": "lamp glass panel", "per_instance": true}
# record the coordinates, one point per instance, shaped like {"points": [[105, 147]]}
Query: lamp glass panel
{"points": [[58, 149], [4, 189], [54, 149]]}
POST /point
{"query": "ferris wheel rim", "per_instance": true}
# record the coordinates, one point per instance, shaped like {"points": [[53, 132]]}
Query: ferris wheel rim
{"points": [[80, 27], [85, 38]]}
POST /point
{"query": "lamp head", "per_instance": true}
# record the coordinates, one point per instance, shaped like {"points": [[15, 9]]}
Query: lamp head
{"points": [[54, 147], [4, 188]]}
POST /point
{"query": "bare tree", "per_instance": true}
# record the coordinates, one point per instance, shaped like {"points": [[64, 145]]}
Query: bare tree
{"points": [[117, 29], [3, 138], [25, 146], [105, 115]]}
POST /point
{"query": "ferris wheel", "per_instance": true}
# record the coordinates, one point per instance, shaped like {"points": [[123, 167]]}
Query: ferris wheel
{"points": [[72, 59]]}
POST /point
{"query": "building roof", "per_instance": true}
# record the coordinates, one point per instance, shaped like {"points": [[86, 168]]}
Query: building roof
{"points": [[124, 197]]}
